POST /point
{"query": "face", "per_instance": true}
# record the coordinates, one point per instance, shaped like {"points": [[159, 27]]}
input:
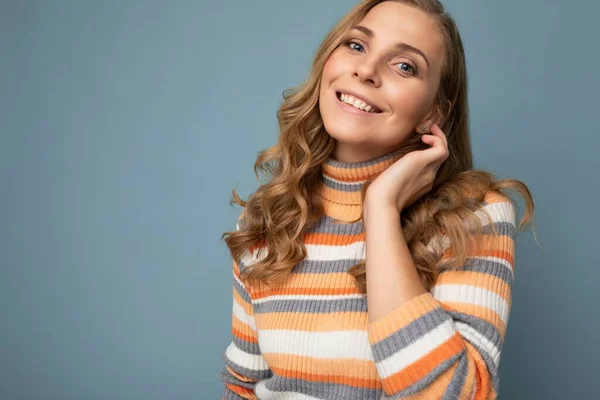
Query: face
{"points": [[389, 67]]}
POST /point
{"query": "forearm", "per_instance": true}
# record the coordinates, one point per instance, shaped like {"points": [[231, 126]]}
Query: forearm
{"points": [[392, 277]]}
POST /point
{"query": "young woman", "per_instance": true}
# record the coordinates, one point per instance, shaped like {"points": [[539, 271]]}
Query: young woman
{"points": [[375, 263]]}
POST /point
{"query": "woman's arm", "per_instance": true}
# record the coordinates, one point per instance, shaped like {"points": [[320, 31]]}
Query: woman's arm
{"points": [[244, 364], [444, 343]]}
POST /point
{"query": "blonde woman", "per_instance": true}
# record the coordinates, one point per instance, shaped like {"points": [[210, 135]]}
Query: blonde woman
{"points": [[375, 262]]}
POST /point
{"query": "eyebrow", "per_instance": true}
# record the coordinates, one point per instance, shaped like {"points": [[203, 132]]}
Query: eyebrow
{"points": [[401, 46]]}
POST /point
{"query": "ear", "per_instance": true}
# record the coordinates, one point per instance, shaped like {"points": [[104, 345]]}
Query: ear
{"points": [[434, 116]]}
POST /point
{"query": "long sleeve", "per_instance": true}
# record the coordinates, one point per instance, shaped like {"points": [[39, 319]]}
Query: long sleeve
{"points": [[446, 343], [244, 364]]}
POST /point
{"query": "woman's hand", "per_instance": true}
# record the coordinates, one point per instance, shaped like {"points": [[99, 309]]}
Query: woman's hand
{"points": [[412, 176]]}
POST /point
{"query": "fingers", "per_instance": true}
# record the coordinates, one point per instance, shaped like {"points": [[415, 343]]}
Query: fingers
{"points": [[437, 131], [438, 142]]}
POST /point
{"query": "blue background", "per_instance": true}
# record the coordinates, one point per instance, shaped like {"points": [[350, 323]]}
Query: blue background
{"points": [[125, 125]]}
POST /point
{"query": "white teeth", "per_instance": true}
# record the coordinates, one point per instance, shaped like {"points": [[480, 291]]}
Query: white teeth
{"points": [[357, 103]]}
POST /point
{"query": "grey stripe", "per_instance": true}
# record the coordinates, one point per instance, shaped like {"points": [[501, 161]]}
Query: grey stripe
{"points": [[354, 165], [502, 228], [342, 187], [322, 390], [226, 377], [248, 347], [432, 376], [250, 373], [485, 328], [409, 334], [324, 266], [326, 224], [491, 267], [457, 382], [311, 306], [490, 332], [242, 291]]}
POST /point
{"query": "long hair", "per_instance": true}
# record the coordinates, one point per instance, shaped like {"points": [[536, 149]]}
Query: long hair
{"points": [[280, 211]]}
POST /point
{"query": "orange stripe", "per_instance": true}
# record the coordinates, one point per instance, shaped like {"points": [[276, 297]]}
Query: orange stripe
{"points": [[436, 389], [471, 378], [341, 197], [507, 253], [242, 391], [331, 280], [393, 322], [476, 279], [238, 376], [338, 379], [332, 239], [342, 212], [243, 336], [306, 291], [362, 173], [484, 384], [410, 375], [242, 303]]}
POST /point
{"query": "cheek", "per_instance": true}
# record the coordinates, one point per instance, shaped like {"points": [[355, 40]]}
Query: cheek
{"points": [[410, 101], [334, 66]]}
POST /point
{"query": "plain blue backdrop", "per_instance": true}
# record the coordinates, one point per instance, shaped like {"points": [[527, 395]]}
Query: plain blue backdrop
{"points": [[126, 124]]}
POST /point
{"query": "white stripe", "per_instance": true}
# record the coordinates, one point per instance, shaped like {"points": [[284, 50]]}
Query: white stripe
{"points": [[499, 212], [247, 258], [417, 350], [243, 316], [469, 294], [310, 297], [317, 252], [320, 252], [476, 337], [323, 345], [262, 392], [243, 359], [439, 243]]}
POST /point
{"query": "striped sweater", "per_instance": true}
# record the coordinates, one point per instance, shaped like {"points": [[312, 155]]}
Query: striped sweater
{"points": [[310, 337]]}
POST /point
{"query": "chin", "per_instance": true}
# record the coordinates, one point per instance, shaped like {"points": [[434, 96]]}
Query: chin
{"points": [[347, 132], [345, 127]]}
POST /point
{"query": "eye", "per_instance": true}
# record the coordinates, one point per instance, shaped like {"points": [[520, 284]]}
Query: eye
{"points": [[407, 68], [354, 45]]}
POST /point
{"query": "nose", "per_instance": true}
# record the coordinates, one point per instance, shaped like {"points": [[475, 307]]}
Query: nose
{"points": [[366, 71]]}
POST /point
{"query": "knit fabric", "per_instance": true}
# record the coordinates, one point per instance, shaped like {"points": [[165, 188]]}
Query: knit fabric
{"points": [[310, 337]]}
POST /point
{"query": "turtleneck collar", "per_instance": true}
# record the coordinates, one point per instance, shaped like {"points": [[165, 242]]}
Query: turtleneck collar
{"points": [[343, 181]]}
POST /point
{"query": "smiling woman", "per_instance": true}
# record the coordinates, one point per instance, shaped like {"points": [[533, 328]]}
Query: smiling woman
{"points": [[375, 262], [393, 61]]}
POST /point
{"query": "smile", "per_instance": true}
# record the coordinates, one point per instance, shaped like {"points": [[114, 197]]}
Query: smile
{"points": [[357, 103]]}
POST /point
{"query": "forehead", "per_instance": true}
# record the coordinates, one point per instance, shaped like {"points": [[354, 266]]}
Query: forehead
{"points": [[394, 22]]}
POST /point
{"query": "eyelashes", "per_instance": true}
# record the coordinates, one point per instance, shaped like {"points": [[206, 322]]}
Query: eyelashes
{"points": [[406, 67]]}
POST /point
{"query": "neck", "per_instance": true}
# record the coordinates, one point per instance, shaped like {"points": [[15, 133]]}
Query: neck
{"points": [[343, 181]]}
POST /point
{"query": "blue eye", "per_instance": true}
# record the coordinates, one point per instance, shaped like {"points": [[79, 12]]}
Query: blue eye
{"points": [[354, 46], [406, 67]]}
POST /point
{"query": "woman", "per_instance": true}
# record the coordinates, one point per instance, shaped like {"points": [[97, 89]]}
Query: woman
{"points": [[375, 262]]}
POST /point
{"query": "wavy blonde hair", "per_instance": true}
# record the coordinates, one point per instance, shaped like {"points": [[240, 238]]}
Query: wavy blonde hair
{"points": [[280, 211]]}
